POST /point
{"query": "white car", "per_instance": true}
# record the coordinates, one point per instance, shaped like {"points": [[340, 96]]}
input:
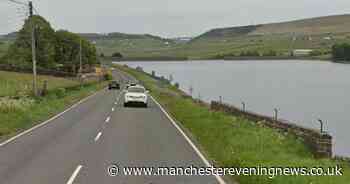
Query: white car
{"points": [[136, 95]]}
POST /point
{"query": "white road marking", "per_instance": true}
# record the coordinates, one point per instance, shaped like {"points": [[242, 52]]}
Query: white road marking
{"points": [[47, 121], [206, 162], [108, 118], [113, 109], [98, 136], [74, 175]]}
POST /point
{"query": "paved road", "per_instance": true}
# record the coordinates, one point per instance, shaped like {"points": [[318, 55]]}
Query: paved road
{"points": [[78, 146]]}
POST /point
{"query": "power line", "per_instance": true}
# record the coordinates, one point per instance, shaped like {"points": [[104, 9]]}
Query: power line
{"points": [[19, 2]]}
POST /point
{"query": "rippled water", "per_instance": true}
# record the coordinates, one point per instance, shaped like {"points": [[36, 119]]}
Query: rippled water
{"points": [[303, 91]]}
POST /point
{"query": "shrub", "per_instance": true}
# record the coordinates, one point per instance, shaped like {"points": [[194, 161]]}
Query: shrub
{"points": [[8, 104], [316, 53], [250, 53], [117, 55], [108, 76], [341, 52], [270, 53], [60, 92]]}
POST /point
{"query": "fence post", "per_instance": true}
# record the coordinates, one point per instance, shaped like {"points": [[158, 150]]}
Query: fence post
{"points": [[243, 107], [45, 88], [321, 123], [276, 114]]}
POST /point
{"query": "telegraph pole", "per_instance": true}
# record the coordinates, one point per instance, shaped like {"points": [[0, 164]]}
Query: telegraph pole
{"points": [[35, 89], [80, 58]]}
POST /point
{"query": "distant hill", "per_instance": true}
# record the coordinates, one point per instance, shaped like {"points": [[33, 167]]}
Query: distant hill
{"points": [[320, 25], [10, 36], [117, 35]]}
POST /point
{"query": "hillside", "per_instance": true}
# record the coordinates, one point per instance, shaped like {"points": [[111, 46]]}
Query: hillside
{"points": [[319, 33], [116, 35], [320, 25], [131, 45]]}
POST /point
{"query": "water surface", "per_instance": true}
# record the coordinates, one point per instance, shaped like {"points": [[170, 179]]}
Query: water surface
{"points": [[303, 91]]}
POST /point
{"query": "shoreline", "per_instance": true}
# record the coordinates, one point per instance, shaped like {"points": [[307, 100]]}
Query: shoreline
{"points": [[117, 60]]}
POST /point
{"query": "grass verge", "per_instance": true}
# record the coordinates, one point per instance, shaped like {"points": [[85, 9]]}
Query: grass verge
{"points": [[236, 142], [14, 83], [32, 111]]}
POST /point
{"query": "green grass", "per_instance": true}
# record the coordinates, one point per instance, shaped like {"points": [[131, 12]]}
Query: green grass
{"points": [[204, 48], [36, 110], [235, 142], [3, 47], [13, 83], [140, 47], [20, 111]]}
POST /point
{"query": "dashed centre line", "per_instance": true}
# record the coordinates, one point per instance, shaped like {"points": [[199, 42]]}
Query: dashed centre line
{"points": [[108, 119], [74, 175], [98, 136]]}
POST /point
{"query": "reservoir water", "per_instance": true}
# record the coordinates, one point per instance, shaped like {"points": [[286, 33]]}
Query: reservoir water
{"points": [[303, 91]]}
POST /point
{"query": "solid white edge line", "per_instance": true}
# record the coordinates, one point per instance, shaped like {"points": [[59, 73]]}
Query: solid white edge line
{"points": [[98, 136], [47, 121], [74, 175], [206, 162], [108, 118]]}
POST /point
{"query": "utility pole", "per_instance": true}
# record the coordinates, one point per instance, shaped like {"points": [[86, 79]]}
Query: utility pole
{"points": [[80, 58], [35, 89]]}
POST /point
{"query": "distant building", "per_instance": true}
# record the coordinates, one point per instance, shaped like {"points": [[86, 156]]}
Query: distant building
{"points": [[302, 52]]}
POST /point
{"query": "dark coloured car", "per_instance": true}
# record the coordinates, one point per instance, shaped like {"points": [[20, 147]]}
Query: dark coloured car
{"points": [[113, 85]]}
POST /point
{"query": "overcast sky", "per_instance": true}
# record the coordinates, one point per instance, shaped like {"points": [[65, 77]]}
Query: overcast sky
{"points": [[167, 18]]}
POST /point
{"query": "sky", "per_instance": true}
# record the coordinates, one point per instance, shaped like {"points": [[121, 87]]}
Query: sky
{"points": [[166, 18]]}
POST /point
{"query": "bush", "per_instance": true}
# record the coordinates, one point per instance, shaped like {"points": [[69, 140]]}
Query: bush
{"points": [[316, 53], [108, 76], [10, 105], [60, 92], [270, 53], [341, 52], [117, 55], [250, 53]]}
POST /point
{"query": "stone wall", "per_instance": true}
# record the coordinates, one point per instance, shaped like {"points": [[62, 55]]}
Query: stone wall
{"points": [[319, 143]]}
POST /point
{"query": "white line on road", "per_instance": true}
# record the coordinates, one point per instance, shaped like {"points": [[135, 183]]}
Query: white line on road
{"points": [[74, 175], [206, 162], [47, 121], [108, 118], [98, 136], [113, 109]]}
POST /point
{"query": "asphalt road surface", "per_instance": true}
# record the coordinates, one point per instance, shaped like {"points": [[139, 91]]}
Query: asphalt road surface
{"points": [[80, 145]]}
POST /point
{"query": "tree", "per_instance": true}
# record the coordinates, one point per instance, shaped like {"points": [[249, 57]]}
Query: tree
{"points": [[53, 49], [117, 55], [19, 53], [341, 52], [68, 47]]}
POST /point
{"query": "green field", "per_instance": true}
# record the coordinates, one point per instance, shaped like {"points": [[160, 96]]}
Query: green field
{"points": [[208, 47], [236, 142], [3, 47], [19, 110], [13, 83], [319, 34]]}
